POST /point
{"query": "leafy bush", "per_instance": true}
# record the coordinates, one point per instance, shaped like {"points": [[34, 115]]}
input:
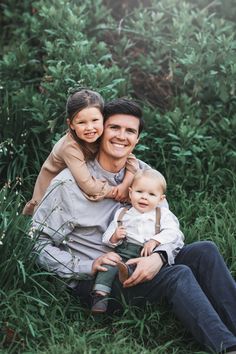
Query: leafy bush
{"points": [[181, 60], [33, 98]]}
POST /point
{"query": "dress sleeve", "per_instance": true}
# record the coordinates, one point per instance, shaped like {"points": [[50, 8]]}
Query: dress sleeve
{"points": [[93, 188], [132, 164]]}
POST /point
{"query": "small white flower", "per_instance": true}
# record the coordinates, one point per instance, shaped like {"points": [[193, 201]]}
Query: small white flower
{"points": [[31, 232]]}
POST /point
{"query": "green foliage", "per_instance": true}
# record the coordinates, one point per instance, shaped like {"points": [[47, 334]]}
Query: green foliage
{"points": [[178, 59], [36, 75], [190, 51], [194, 153]]}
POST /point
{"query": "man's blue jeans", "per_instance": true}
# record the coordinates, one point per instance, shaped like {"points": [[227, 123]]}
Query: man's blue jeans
{"points": [[199, 288]]}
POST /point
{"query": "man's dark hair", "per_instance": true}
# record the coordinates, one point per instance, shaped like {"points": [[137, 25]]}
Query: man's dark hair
{"points": [[124, 106]]}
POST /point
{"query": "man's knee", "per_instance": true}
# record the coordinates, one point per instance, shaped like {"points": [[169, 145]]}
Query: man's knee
{"points": [[209, 251], [182, 272], [180, 279], [207, 248]]}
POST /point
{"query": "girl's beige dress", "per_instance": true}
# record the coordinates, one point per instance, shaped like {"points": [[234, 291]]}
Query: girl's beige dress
{"points": [[67, 153]]}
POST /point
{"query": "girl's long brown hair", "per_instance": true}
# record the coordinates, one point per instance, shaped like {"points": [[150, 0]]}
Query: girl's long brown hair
{"points": [[76, 102]]}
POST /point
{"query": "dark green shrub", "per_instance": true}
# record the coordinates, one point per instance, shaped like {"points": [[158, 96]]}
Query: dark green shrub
{"points": [[54, 53]]}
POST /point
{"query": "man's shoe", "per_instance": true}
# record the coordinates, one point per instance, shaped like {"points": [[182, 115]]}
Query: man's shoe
{"points": [[100, 303], [125, 271]]}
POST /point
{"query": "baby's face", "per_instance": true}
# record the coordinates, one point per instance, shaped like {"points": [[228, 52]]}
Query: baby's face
{"points": [[145, 194]]}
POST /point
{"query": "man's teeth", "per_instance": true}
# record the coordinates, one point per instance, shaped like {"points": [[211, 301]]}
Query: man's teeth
{"points": [[119, 145]]}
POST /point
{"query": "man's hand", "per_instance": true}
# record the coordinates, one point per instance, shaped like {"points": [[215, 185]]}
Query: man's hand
{"points": [[146, 269], [110, 258], [118, 235], [149, 247]]}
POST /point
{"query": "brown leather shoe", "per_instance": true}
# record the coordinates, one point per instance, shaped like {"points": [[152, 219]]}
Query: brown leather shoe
{"points": [[125, 271]]}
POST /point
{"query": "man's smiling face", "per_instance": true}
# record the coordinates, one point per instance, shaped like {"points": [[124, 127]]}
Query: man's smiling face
{"points": [[120, 136]]}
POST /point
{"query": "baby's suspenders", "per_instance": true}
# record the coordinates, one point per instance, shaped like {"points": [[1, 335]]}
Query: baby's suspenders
{"points": [[158, 218]]}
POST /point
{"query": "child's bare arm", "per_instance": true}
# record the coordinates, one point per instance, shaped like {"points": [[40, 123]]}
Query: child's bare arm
{"points": [[121, 192]]}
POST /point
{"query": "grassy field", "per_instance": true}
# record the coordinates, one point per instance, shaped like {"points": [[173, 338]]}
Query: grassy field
{"points": [[39, 316]]}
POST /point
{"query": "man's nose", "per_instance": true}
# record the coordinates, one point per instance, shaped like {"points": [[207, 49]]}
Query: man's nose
{"points": [[144, 195], [121, 134]]}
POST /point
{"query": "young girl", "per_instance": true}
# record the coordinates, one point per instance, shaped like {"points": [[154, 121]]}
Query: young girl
{"points": [[85, 121]]}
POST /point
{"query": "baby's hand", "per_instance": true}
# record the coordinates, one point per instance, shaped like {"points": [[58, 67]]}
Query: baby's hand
{"points": [[149, 247], [121, 193], [118, 235]]}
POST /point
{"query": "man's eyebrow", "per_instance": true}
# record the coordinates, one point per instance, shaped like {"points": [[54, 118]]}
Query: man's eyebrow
{"points": [[133, 130], [113, 125]]}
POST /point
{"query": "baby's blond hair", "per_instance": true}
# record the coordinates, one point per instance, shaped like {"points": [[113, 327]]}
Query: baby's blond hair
{"points": [[154, 174]]}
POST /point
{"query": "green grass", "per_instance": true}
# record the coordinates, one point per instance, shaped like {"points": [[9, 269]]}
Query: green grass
{"points": [[44, 318]]}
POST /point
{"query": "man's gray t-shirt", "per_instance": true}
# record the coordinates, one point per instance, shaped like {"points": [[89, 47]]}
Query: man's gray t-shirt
{"points": [[70, 227]]}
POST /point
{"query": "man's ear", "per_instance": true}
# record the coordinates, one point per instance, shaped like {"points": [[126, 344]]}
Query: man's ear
{"points": [[138, 138], [163, 197]]}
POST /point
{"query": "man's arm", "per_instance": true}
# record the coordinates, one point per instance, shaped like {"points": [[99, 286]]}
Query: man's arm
{"points": [[55, 259], [61, 245], [61, 262], [53, 222]]}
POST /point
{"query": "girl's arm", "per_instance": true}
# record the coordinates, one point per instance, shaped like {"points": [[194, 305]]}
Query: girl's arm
{"points": [[121, 192], [93, 188], [67, 153]]}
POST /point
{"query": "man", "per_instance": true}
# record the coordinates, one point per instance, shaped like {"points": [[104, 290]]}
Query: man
{"points": [[198, 287]]}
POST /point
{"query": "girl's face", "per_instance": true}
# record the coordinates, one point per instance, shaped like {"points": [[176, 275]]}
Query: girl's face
{"points": [[87, 124]]}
